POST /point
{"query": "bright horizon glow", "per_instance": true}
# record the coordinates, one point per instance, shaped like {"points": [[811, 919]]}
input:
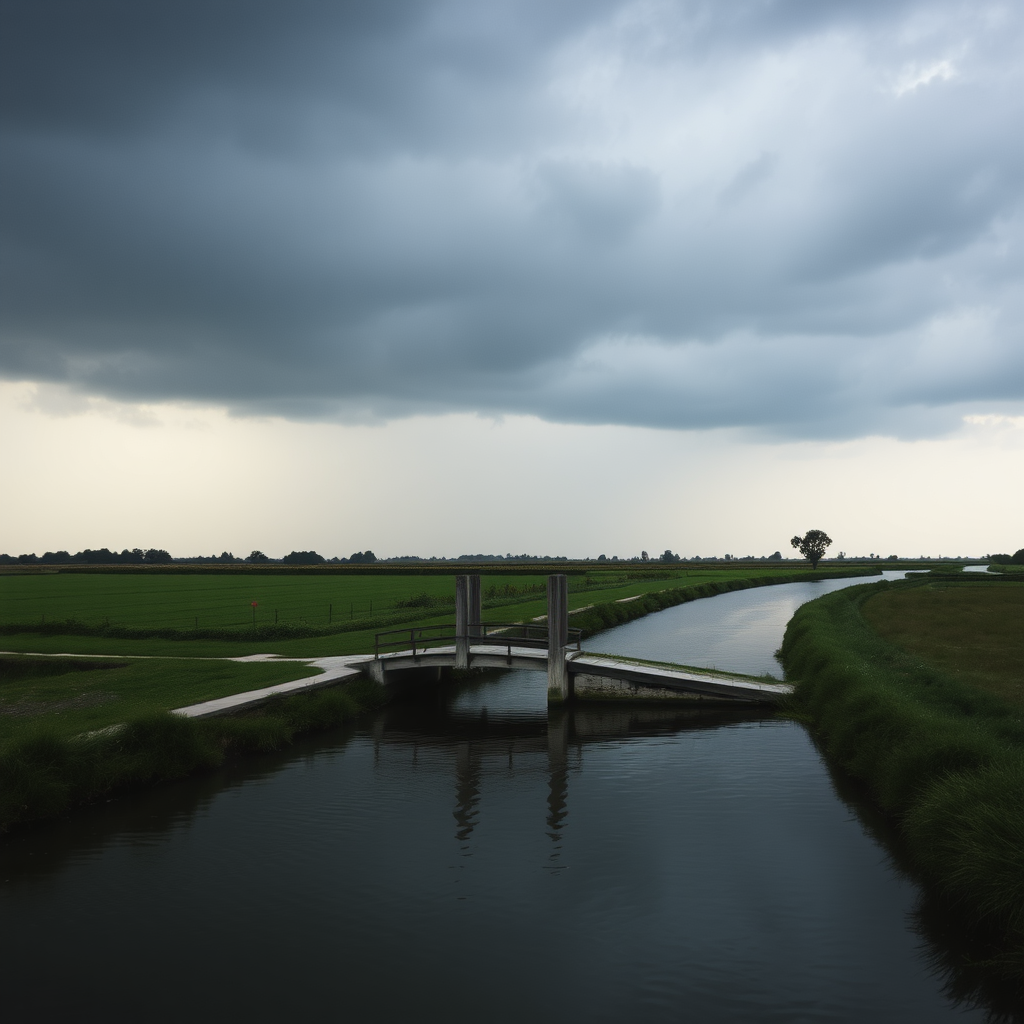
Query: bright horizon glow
{"points": [[197, 481]]}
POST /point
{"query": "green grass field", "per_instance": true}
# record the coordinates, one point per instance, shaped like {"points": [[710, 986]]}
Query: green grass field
{"points": [[182, 602], [974, 633], [76, 695], [186, 601]]}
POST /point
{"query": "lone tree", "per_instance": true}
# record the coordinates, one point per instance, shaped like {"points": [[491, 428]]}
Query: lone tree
{"points": [[812, 545]]}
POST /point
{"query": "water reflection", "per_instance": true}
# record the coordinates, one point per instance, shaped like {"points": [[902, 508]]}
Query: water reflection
{"points": [[558, 779], [467, 791]]}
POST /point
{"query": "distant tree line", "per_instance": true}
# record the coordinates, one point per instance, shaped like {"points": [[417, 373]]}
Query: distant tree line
{"points": [[1017, 558], [102, 556], [158, 556]]}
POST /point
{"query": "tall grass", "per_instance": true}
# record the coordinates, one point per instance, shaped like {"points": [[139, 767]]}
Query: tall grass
{"points": [[943, 759]]}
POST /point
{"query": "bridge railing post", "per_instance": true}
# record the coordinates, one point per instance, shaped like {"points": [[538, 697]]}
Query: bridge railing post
{"points": [[558, 637]]}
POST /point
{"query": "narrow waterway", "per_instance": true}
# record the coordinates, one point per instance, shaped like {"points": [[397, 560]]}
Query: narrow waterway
{"points": [[465, 856], [737, 632]]}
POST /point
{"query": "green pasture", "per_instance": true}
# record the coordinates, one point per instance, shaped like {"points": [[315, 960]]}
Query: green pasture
{"points": [[974, 633], [188, 601], [182, 602], [74, 695]]}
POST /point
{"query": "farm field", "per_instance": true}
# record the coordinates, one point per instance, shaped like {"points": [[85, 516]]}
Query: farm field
{"points": [[350, 609], [973, 632], [186, 601]]}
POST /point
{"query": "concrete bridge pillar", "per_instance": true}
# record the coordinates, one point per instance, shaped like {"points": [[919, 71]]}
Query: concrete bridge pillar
{"points": [[558, 637], [468, 611]]}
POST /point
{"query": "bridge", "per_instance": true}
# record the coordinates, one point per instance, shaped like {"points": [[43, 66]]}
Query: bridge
{"points": [[572, 672], [470, 643]]}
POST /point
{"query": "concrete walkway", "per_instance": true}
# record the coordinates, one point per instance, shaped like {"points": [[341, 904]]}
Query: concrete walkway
{"points": [[335, 670], [681, 679]]}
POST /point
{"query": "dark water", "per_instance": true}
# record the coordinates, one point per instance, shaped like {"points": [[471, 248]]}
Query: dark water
{"points": [[466, 856]]}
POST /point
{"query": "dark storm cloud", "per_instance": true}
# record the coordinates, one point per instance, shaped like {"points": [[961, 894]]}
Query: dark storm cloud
{"points": [[797, 217]]}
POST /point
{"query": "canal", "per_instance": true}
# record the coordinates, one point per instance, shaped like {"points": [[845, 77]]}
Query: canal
{"points": [[465, 856]]}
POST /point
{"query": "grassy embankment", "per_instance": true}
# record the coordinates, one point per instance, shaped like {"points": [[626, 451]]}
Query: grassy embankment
{"points": [[45, 702], [44, 773], [69, 696], [915, 689]]}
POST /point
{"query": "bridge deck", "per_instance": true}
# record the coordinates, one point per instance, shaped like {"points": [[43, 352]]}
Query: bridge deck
{"points": [[337, 670], [678, 679]]}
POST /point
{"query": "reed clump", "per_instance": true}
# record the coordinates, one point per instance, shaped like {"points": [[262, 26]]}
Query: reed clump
{"points": [[944, 759]]}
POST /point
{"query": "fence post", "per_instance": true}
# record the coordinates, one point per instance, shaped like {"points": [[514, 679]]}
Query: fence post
{"points": [[462, 622], [558, 636]]}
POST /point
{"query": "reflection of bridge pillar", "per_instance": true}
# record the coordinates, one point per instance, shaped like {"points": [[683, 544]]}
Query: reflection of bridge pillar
{"points": [[558, 775], [467, 791], [558, 637], [468, 611]]}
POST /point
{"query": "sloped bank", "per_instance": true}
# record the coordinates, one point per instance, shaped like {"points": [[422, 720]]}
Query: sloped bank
{"points": [[44, 775], [944, 760]]}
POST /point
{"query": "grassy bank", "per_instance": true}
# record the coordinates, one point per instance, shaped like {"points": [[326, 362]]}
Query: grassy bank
{"points": [[940, 756], [46, 772], [68, 696]]}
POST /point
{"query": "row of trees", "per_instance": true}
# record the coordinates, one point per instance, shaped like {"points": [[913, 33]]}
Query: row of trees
{"points": [[812, 545], [157, 556], [1017, 558], [102, 556]]}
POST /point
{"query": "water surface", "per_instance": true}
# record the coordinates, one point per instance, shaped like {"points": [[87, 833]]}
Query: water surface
{"points": [[737, 632]]}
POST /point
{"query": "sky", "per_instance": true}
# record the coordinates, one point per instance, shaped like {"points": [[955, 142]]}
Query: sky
{"points": [[571, 278]]}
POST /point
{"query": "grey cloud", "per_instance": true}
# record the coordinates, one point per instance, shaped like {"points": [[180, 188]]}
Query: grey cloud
{"points": [[748, 178], [602, 202], [359, 211]]}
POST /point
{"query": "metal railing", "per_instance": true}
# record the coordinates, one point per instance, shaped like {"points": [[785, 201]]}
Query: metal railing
{"points": [[494, 634], [419, 639]]}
